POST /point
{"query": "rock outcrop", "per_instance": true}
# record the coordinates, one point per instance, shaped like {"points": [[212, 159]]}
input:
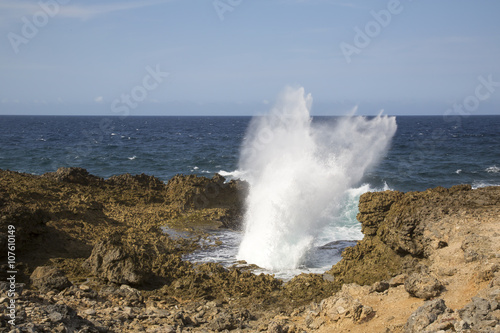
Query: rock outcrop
{"points": [[75, 176], [91, 257], [402, 230]]}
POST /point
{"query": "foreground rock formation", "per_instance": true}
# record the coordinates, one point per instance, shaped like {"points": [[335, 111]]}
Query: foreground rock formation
{"points": [[91, 257]]}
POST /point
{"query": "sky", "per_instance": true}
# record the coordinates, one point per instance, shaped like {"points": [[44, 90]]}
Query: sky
{"points": [[234, 57]]}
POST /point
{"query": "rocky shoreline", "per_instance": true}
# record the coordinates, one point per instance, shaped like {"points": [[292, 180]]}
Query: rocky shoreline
{"points": [[90, 256]]}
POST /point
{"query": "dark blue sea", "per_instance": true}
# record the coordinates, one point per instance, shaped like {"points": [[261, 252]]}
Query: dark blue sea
{"points": [[425, 152]]}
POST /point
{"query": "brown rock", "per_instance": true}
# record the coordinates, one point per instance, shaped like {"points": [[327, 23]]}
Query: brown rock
{"points": [[423, 286], [111, 261], [74, 175], [46, 278]]}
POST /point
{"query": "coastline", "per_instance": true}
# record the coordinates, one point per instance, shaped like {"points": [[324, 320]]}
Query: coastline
{"points": [[107, 266]]}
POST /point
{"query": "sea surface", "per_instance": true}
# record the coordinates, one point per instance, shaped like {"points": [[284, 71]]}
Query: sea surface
{"points": [[426, 151]]}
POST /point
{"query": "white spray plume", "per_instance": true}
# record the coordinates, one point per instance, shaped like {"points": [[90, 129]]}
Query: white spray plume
{"points": [[298, 172]]}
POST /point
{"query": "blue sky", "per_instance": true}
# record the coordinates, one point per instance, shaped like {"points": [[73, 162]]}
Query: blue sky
{"points": [[235, 56]]}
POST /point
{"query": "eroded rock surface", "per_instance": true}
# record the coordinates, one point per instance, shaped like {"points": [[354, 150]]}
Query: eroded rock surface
{"points": [[429, 261]]}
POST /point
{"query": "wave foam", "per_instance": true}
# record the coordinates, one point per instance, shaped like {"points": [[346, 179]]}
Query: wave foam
{"points": [[492, 169], [298, 174]]}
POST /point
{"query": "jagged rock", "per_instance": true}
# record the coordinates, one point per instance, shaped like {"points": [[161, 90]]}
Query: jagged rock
{"points": [[472, 247], [343, 305], [74, 175], [423, 286], [425, 316], [223, 321], [281, 326], [480, 314], [196, 192], [47, 278], [111, 261], [138, 181], [402, 230], [403, 233]]}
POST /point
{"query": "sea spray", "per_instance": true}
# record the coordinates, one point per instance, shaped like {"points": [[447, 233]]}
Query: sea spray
{"points": [[298, 173]]}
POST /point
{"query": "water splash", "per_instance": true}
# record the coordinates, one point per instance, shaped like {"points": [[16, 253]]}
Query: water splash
{"points": [[298, 173]]}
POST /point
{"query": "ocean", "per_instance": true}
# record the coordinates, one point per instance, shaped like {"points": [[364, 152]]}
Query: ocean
{"points": [[425, 152]]}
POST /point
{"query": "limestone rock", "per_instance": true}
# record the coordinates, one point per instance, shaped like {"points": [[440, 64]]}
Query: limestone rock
{"points": [[47, 278], [425, 316], [111, 261], [481, 314], [138, 181], [343, 305], [223, 321], [398, 280], [74, 175], [423, 286], [379, 286]]}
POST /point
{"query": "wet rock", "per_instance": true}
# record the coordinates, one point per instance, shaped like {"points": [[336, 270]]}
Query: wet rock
{"points": [[423, 286], [47, 278]]}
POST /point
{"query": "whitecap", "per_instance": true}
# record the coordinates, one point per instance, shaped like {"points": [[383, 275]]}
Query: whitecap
{"points": [[492, 169], [480, 184], [458, 171], [236, 174], [132, 158]]}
